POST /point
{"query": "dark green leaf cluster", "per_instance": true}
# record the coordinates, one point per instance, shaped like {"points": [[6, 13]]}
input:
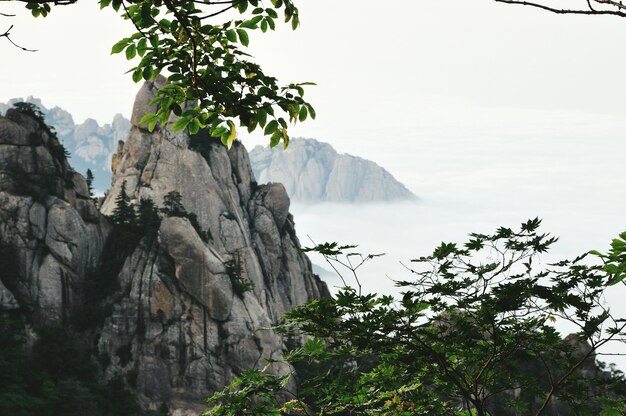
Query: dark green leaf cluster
{"points": [[173, 207], [234, 270], [56, 147], [145, 218], [89, 178], [31, 109], [471, 334], [124, 213], [41, 8], [253, 393]]}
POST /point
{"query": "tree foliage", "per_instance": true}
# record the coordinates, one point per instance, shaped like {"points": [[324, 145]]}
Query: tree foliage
{"points": [[89, 178], [472, 332], [124, 213], [56, 377], [200, 46]]}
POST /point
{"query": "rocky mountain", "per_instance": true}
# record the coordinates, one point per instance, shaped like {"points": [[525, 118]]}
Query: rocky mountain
{"points": [[91, 146], [313, 171], [172, 313]]}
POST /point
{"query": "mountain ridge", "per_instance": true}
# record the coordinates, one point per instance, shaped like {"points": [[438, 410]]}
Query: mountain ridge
{"points": [[313, 171]]}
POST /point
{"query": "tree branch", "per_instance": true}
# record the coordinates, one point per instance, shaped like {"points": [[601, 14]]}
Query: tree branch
{"points": [[572, 11], [7, 35]]}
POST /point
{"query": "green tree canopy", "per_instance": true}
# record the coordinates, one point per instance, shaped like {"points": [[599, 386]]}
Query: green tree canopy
{"points": [[200, 46], [472, 333]]}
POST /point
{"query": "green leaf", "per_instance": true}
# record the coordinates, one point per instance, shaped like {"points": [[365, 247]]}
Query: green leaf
{"points": [[243, 37], [218, 132], [271, 127], [119, 46], [262, 117], [275, 138], [311, 110], [231, 35], [148, 118], [142, 47], [148, 73], [131, 51], [194, 126], [137, 75], [249, 24], [233, 134], [153, 124], [303, 113], [242, 6], [181, 123]]}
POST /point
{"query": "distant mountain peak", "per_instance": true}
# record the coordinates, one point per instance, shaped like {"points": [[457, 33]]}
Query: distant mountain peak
{"points": [[313, 171]]}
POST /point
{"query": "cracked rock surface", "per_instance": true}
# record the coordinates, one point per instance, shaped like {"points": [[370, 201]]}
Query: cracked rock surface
{"points": [[50, 230], [175, 323]]}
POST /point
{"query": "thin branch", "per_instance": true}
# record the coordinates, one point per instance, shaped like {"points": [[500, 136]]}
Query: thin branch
{"points": [[7, 35], [133, 20], [224, 10], [54, 2], [563, 11]]}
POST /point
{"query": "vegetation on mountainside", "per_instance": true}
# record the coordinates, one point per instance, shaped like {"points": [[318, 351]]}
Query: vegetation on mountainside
{"points": [[55, 377], [145, 218], [473, 333], [56, 147]]}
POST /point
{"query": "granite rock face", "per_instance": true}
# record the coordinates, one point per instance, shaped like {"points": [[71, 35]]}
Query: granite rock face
{"points": [[90, 144], [190, 331], [182, 312], [313, 171], [51, 233]]}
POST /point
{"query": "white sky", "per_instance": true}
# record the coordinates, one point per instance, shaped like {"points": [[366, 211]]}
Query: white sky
{"points": [[492, 114]]}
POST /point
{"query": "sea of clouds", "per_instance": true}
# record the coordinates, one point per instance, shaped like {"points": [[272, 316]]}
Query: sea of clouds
{"points": [[492, 168]]}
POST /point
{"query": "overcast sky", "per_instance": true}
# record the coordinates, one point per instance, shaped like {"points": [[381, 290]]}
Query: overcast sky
{"points": [[492, 114], [370, 59]]}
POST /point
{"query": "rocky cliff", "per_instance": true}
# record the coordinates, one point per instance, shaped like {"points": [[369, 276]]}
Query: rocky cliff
{"points": [[90, 144], [50, 231], [313, 171], [173, 312]]}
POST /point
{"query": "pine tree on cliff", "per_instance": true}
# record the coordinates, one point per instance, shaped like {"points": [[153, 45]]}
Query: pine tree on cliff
{"points": [[148, 213], [124, 212], [89, 178], [173, 205]]}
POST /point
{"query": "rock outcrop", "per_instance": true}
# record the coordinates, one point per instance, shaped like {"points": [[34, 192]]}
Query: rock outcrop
{"points": [[313, 171], [90, 144], [176, 313], [198, 331], [51, 233]]}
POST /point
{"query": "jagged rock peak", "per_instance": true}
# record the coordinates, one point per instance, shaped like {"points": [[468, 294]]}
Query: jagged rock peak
{"points": [[204, 297], [313, 171]]}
